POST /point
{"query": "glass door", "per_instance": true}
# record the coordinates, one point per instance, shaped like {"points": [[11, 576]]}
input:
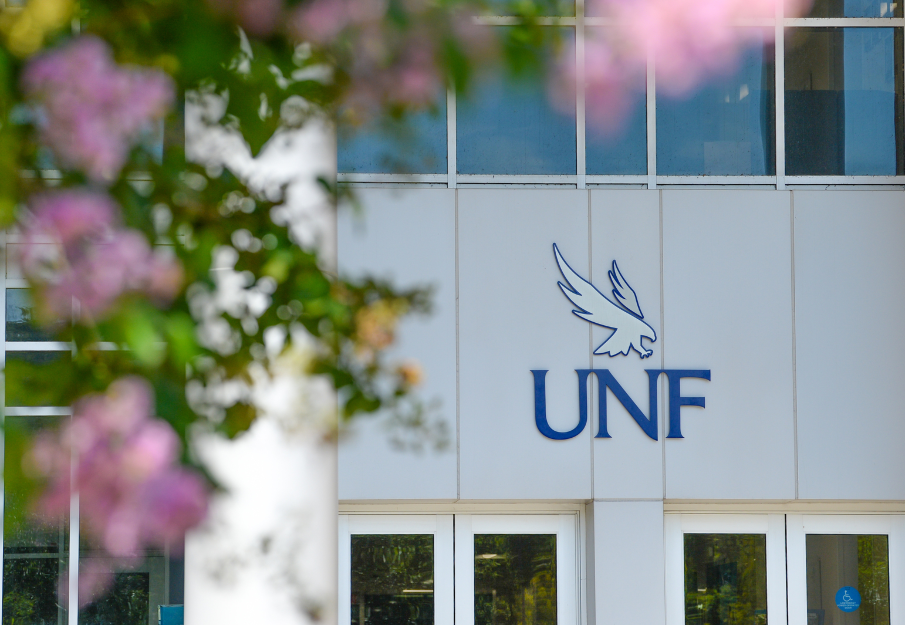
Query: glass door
{"points": [[516, 569], [725, 569], [846, 570], [396, 569]]}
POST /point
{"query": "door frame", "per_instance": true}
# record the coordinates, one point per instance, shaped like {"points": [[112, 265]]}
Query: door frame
{"points": [[563, 526], [677, 525], [439, 525], [800, 525]]}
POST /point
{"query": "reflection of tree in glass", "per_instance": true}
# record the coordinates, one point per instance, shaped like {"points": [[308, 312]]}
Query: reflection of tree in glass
{"points": [[725, 579], [393, 579], [873, 579], [515, 579], [29, 592], [126, 604]]}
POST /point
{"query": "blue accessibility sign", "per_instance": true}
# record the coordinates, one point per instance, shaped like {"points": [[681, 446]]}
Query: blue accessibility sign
{"points": [[848, 599]]}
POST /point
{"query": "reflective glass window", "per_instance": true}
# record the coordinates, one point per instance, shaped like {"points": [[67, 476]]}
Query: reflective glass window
{"points": [[616, 145], [411, 144], [509, 126], [20, 318], [24, 387], [724, 128], [515, 579], [725, 579], [848, 579], [856, 8], [844, 103], [393, 579], [35, 549], [552, 8], [136, 594]]}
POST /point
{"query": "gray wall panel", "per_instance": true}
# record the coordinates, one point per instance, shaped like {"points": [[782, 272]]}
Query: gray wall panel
{"points": [[625, 227], [512, 319], [409, 237], [727, 302], [628, 563], [849, 299]]}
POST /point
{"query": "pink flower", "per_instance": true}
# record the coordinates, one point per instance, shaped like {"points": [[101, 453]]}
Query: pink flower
{"points": [[92, 110], [689, 40], [96, 261], [133, 492]]}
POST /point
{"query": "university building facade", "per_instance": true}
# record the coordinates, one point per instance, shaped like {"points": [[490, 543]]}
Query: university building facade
{"points": [[749, 238]]}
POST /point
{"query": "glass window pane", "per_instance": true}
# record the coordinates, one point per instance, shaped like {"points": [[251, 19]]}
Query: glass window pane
{"points": [[725, 128], [393, 579], [26, 376], [844, 101], [35, 550], [20, 318], [840, 562], [515, 579], [620, 148], [136, 593], [725, 579], [509, 126], [412, 144], [856, 8]]}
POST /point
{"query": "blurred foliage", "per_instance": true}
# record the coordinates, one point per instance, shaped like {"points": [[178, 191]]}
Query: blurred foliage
{"points": [[267, 83]]}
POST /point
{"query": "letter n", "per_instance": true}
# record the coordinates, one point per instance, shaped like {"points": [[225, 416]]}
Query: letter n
{"points": [[605, 380]]}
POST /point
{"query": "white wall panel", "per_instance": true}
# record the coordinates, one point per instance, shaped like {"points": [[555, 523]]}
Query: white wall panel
{"points": [[512, 319], [849, 300], [625, 227], [409, 237], [727, 308], [628, 563]]}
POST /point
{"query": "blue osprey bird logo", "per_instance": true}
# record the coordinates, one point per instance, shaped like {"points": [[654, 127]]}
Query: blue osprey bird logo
{"points": [[623, 317]]}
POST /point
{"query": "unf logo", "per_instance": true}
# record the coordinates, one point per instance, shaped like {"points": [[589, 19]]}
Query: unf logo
{"points": [[626, 320]]}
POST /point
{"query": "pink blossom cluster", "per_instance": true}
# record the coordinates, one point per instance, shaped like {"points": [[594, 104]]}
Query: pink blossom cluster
{"points": [[73, 247], [689, 41], [124, 463], [386, 63], [91, 110]]}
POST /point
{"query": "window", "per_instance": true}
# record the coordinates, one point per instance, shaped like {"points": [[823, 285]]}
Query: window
{"points": [[819, 101], [37, 553], [514, 569]]}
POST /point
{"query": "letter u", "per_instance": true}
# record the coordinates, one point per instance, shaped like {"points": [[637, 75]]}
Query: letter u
{"points": [[540, 406]]}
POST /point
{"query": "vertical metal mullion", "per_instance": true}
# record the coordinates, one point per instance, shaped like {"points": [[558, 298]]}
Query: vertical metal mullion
{"points": [[779, 74], [451, 138], [2, 403], [580, 124], [73, 549], [74, 516], [651, 121]]}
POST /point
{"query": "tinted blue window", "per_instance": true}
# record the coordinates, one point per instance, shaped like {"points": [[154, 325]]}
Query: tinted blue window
{"points": [[621, 150], [844, 112], [414, 144], [856, 8], [509, 126], [725, 128]]}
